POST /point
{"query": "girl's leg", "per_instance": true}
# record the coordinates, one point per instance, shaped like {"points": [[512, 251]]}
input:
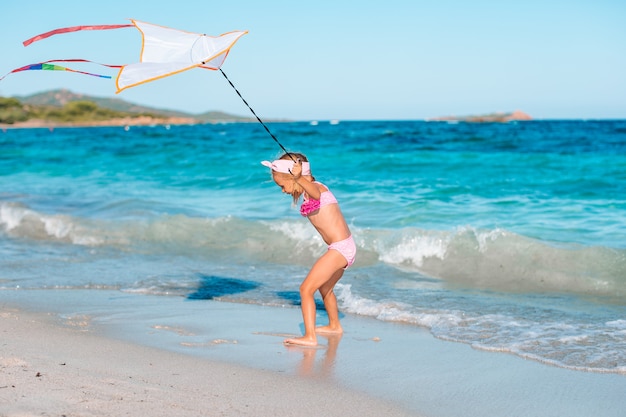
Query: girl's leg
{"points": [[322, 271], [330, 302]]}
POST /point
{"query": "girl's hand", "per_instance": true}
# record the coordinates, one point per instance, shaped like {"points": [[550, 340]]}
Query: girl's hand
{"points": [[296, 170]]}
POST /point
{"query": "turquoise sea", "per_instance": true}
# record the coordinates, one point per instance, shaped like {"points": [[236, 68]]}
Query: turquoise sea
{"points": [[507, 237]]}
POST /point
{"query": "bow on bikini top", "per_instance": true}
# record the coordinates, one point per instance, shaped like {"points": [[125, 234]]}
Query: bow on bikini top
{"points": [[309, 205]]}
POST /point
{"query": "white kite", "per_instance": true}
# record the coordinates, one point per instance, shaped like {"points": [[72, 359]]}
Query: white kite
{"points": [[168, 51], [164, 52]]}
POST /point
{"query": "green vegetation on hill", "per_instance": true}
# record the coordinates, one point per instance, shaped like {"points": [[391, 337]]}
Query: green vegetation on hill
{"points": [[58, 98], [13, 111], [64, 106]]}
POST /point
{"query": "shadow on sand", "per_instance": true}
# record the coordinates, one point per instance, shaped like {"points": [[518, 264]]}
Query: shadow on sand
{"points": [[212, 287]]}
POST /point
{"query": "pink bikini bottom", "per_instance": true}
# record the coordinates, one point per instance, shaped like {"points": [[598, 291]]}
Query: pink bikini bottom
{"points": [[347, 248]]}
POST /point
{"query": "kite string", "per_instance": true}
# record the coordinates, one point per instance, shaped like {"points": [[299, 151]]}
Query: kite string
{"points": [[257, 117]]}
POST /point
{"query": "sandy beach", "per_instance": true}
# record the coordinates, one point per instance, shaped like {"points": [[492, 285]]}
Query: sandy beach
{"points": [[126, 354], [50, 370]]}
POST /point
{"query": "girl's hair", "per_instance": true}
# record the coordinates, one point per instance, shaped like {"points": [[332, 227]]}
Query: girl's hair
{"points": [[297, 188]]}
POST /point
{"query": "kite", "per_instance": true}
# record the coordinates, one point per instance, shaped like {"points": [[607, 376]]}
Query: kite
{"points": [[164, 52]]}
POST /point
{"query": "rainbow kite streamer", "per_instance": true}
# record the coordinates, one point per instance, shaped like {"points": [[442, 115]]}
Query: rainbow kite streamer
{"points": [[47, 66]]}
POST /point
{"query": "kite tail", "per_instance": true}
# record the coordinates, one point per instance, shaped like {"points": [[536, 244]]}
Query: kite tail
{"points": [[257, 117], [73, 29], [48, 65]]}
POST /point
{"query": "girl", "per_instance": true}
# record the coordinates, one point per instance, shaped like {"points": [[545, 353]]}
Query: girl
{"points": [[321, 208]]}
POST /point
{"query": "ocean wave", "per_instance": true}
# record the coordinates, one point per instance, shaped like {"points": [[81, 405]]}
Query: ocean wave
{"points": [[467, 257], [20, 221], [176, 234], [501, 260]]}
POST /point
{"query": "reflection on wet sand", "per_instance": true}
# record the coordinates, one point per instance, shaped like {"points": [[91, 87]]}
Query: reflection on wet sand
{"points": [[324, 367]]}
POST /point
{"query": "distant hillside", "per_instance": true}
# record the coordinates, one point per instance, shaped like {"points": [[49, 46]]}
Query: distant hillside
{"points": [[218, 116], [59, 98]]}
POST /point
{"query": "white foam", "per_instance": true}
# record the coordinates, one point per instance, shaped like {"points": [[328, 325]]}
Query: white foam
{"points": [[24, 222], [387, 311], [411, 247], [563, 344], [11, 215]]}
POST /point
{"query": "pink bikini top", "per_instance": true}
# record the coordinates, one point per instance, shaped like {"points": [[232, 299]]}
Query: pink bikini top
{"points": [[310, 205]]}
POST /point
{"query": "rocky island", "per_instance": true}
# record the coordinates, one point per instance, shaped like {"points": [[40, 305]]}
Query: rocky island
{"points": [[498, 117]]}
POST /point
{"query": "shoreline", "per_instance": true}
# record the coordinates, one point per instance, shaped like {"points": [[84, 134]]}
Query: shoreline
{"points": [[49, 369], [148, 121], [154, 340], [127, 121]]}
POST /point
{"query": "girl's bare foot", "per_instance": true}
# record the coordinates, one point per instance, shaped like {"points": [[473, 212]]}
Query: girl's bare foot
{"points": [[329, 330], [301, 341]]}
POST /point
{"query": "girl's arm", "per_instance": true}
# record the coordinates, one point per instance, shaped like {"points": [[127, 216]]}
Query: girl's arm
{"points": [[309, 187]]}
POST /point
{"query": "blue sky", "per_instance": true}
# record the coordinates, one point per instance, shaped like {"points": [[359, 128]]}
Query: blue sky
{"points": [[347, 60]]}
